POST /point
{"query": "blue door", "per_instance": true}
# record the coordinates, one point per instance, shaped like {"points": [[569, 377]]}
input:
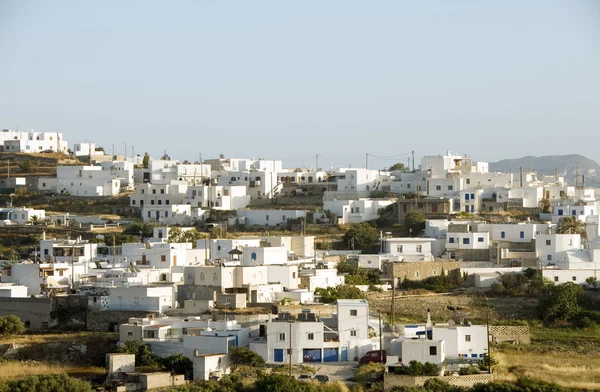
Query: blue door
{"points": [[278, 355], [330, 355], [344, 353], [157, 215], [311, 355]]}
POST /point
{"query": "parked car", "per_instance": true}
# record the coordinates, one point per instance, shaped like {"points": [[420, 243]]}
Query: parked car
{"points": [[374, 356], [322, 378], [304, 377]]}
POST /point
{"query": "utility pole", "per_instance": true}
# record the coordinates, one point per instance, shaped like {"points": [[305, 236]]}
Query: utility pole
{"points": [[380, 339], [366, 161], [582, 181], [317, 167], [393, 298], [489, 354], [577, 176], [73, 267], [521, 175], [290, 352], [413, 161]]}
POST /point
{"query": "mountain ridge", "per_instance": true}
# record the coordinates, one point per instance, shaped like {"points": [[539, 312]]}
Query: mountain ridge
{"points": [[566, 166]]}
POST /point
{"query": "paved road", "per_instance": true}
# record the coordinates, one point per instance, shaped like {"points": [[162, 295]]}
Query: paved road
{"points": [[336, 371]]}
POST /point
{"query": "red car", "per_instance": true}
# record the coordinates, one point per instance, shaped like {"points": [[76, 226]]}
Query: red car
{"points": [[374, 356]]}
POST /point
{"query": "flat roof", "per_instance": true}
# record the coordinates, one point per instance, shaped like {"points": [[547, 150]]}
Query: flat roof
{"points": [[351, 301]]}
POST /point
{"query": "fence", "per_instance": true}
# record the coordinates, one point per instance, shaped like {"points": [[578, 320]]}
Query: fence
{"points": [[392, 380]]}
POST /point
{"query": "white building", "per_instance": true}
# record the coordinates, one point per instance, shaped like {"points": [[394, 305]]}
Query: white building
{"points": [[466, 342], [313, 279], [579, 210], [92, 180], [217, 197], [410, 249], [143, 298], [356, 211], [20, 215], [85, 149], [159, 194], [470, 240], [173, 214], [423, 350], [266, 217], [552, 248], [341, 338], [470, 200], [34, 142]]}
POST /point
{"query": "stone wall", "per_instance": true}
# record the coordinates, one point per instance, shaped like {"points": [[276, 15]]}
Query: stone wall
{"points": [[33, 312], [506, 333], [420, 270], [473, 254], [392, 380], [109, 320]]}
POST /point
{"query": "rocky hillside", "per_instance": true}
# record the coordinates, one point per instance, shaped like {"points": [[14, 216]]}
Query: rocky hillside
{"points": [[566, 165]]}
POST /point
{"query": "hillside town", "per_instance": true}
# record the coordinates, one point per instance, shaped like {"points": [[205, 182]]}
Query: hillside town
{"points": [[327, 268]]}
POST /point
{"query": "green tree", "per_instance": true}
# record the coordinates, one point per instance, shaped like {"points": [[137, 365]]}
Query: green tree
{"points": [[546, 206], [362, 236], [591, 281], [398, 167], [11, 325], [180, 236], [143, 354], [178, 364], [414, 222], [571, 225], [561, 302], [146, 160], [330, 295], [243, 356], [147, 229]]}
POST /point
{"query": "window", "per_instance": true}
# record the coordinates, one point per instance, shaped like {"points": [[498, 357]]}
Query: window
{"points": [[479, 239], [450, 187], [417, 274], [467, 338], [548, 242], [311, 336], [152, 202], [502, 234], [408, 186], [438, 187], [399, 248], [556, 278], [353, 333], [166, 214], [281, 336], [451, 240], [419, 248], [160, 202], [468, 180], [573, 212], [132, 202], [267, 217], [129, 333], [162, 191], [154, 191], [466, 196], [432, 350], [549, 258], [353, 312], [472, 196], [574, 278], [560, 212], [522, 234], [167, 202], [465, 241], [163, 258]]}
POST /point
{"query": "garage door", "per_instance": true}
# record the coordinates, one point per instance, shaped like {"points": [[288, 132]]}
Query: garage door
{"points": [[330, 355], [311, 355], [278, 355]]}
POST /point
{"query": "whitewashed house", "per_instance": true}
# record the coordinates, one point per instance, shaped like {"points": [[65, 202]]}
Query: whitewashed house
{"points": [[342, 337], [217, 197], [552, 248], [172, 214], [579, 210], [470, 200], [143, 298], [266, 217], [410, 249], [159, 194], [35, 142], [90, 181], [356, 211], [20, 215]]}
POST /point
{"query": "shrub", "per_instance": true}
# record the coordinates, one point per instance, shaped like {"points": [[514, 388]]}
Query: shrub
{"points": [[11, 325], [416, 368], [242, 356], [464, 371], [46, 383], [143, 354]]}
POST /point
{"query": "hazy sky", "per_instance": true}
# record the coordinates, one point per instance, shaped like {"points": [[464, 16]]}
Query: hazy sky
{"points": [[288, 80]]}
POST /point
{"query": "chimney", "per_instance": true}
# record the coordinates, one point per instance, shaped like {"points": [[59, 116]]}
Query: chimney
{"points": [[428, 324]]}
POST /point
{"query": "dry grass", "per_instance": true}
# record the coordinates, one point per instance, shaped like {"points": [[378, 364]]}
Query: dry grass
{"points": [[75, 337], [569, 370], [11, 370]]}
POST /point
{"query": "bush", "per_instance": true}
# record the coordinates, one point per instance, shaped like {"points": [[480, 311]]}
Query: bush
{"points": [[242, 356], [330, 295], [464, 371], [46, 383], [11, 325], [178, 364], [416, 368], [362, 236], [143, 354]]}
